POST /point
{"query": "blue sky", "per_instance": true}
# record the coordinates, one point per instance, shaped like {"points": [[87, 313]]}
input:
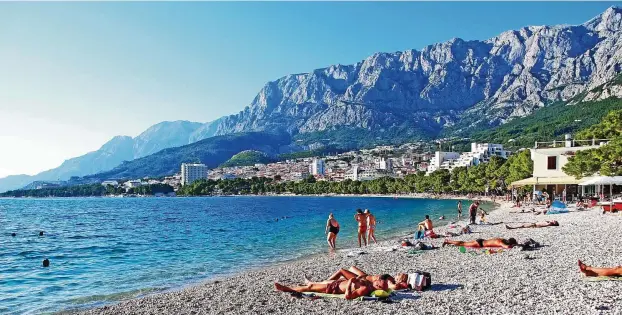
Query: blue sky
{"points": [[76, 74]]}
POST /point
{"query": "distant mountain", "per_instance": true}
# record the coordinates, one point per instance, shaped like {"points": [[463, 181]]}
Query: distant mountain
{"points": [[464, 84], [450, 88], [121, 148], [212, 152]]}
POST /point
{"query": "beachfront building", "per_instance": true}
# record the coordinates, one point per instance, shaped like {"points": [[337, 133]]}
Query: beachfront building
{"points": [[192, 172], [480, 153], [133, 183], [112, 183], [316, 167], [442, 160], [352, 174], [548, 160]]}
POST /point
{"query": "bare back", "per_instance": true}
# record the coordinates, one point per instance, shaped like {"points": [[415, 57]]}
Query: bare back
{"points": [[371, 219]]}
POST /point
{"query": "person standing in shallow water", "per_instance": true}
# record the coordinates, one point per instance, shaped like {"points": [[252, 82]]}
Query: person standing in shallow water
{"points": [[332, 229], [371, 226], [473, 211], [459, 209], [362, 226]]}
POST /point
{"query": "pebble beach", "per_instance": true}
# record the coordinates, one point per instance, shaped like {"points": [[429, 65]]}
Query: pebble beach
{"points": [[542, 281]]}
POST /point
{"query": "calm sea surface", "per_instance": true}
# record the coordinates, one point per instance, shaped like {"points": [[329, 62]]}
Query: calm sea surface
{"points": [[106, 249]]}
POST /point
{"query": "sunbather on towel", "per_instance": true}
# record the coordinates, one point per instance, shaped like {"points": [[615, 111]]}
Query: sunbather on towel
{"points": [[352, 288], [399, 282], [600, 272], [534, 225], [478, 243]]}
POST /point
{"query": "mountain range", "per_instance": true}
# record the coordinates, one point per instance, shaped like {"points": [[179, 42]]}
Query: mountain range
{"points": [[446, 88]]}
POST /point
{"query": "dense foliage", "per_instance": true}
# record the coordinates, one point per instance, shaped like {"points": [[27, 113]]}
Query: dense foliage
{"points": [[605, 160], [348, 138], [248, 158], [548, 123], [495, 175], [90, 190]]}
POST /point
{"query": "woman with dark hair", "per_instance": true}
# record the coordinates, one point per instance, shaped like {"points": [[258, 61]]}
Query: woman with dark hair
{"points": [[352, 288], [399, 282], [534, 225]]}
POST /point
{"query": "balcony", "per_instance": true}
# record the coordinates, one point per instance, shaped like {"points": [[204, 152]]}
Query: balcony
{"points": [[573, 143]]}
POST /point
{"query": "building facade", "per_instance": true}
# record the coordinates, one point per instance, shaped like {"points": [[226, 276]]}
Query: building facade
{"points": [[316, 167], [480, 153], [192, 172]]}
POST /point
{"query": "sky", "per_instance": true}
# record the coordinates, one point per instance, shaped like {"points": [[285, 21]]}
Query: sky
{"points": [[74, 75]]}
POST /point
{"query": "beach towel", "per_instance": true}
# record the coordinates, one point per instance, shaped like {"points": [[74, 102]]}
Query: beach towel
{"points": [[602, 278], [373, 296]]}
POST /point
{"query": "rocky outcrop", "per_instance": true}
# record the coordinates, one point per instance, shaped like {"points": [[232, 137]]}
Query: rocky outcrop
{"points": [[507, 76]]}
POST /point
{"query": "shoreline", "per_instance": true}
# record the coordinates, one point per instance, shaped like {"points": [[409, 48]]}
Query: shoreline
{"points": [[393, 236], [462, 283]]}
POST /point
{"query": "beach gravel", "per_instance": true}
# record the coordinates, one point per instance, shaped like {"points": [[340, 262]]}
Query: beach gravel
{"points": [[544, 281]]}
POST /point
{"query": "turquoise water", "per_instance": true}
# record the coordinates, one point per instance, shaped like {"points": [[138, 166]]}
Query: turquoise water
{"points": [[106, 249]]}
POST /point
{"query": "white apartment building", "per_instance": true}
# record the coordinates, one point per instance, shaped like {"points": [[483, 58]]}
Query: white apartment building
{"points": [[316, 167], [384, 164], [133, 183], [113, 183], [480, 153], [192, 172], [352, 174], [442, 160]]}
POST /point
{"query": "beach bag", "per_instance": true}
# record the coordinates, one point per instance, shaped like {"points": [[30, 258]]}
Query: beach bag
{"points": [[420, 280]]}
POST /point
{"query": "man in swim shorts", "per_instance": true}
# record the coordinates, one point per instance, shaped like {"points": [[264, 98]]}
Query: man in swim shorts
{"points": [[480, 243], [361, 218], [371, 226], [473, 211], [534, 225]]}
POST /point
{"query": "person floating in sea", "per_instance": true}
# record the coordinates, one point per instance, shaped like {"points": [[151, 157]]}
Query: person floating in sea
{"points": [[600, 272], [371, 226], [361, 218], [473, 211], [352, 288], [459, 209], [479, 243], [399, 282], [332, 229], [534, 225]]}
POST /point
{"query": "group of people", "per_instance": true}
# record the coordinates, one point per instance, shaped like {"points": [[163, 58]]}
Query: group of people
{"points": [[353, 283], [366, 222]]}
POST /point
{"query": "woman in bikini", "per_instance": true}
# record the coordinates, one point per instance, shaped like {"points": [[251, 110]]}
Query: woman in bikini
{"points": [[600, 272], [399, 282], [352, 288], [479, 243], [534, 225], [332, 229]]}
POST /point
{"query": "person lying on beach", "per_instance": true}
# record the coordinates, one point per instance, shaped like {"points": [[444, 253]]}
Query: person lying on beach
{"points": [[534, 225], [399, 282], [480, 243], [352, 288], [600, 272]]}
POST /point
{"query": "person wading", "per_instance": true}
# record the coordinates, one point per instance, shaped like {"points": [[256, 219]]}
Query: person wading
{"points": [[361, 218]]}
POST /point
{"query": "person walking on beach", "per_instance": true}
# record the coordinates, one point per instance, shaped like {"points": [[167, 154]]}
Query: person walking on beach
{"points": [[332, 229], [371, 226], [473, 211], [362, 226], [459, 209]]}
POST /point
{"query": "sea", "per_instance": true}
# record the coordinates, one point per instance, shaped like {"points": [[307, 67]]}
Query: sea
{"points": [[103, 250]]}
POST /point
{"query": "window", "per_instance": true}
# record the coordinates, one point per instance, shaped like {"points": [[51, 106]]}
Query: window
{"points": [[552, 163]]}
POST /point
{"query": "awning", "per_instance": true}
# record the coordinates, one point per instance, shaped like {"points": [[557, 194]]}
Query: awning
{"points": [[602, 180], [564, 180]]}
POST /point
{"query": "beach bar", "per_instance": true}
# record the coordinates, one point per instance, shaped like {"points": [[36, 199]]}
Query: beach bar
{"points": [[548, 160]]}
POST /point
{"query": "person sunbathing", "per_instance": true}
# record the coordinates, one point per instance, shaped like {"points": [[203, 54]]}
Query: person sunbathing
{"points": [[352, 288], [534, 225], [399, 282], [480, 243], [600, 272]]}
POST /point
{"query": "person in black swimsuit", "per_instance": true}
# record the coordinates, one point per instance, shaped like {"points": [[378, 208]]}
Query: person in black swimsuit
{"points": [[332, 229]]}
